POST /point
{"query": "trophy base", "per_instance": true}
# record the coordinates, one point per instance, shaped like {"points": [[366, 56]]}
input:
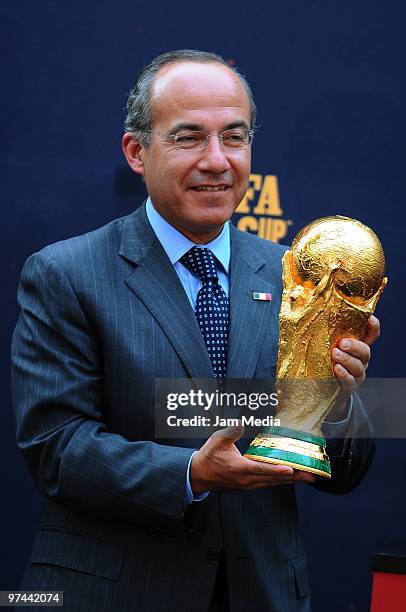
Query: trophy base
{"points": [[298, 449]]}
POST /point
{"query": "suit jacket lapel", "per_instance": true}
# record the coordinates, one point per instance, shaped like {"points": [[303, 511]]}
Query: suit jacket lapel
{"points": [[157, 285], [250, 320]]}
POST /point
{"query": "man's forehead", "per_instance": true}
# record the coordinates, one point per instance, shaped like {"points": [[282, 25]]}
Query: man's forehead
{"points": [[194, 82]]}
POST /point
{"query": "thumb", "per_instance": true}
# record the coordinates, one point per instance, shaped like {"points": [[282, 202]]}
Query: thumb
{"points": [[230, 434]]}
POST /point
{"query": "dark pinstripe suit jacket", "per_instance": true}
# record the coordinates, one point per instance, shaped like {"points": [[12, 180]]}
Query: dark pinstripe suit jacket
{"points": [[103, 315]]}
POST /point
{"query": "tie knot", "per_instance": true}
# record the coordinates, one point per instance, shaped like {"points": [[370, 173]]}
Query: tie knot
{"points": [[201, 262]]}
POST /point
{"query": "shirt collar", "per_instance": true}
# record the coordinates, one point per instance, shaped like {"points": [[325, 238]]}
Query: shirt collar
{"points": [[176, 244]]}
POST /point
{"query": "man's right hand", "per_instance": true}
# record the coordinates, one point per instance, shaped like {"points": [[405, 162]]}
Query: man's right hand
{"points": [[219, 465]]}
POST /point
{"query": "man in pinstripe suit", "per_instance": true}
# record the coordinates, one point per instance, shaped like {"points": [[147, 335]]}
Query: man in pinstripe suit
{"points": [[128, 523]]}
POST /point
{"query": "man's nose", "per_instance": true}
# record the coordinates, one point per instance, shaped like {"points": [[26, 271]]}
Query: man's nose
{"points": [[213, 159]]}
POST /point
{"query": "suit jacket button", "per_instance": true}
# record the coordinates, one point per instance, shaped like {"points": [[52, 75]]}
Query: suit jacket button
{"points": [[213, 555]]}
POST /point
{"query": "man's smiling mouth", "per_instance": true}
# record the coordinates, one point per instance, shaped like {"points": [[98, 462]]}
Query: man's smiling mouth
{"points": [[211, 188]]}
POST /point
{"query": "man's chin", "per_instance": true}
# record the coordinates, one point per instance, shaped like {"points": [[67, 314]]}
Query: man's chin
{"points": [[212, 219], [205, 228], [217, 210]]}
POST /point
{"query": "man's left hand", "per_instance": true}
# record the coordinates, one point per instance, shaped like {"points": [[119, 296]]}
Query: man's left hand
{"points": [[351, 360]]}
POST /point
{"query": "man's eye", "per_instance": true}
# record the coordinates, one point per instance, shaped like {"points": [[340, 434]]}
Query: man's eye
{"points": [[186, 139], [234, 138]]}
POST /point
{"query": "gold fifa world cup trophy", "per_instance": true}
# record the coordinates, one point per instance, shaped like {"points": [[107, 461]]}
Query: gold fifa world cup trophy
{"points": [[333, 277]]}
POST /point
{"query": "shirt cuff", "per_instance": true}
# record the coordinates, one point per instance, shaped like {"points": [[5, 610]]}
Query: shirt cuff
{"points": [[189, 493]]}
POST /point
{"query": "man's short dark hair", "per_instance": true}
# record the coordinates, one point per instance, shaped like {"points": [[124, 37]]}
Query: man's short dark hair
{"points": [[139, 119]]}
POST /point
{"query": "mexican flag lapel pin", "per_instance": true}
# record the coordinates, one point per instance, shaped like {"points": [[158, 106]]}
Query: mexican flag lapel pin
{"points": [[264, 297]]}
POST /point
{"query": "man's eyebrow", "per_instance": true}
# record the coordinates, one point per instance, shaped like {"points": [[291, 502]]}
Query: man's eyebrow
{"points": [[197, 127], [237, 124]]}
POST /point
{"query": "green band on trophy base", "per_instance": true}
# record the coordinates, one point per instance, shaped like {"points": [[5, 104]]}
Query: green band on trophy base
{"points": [[300, 450]]}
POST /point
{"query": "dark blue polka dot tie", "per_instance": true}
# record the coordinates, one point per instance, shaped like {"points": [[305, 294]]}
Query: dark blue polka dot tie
{"points": [[212, 307]]}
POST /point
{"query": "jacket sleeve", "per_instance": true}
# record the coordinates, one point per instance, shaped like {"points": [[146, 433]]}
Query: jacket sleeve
{"points": [[351, 455], [57, 384]]}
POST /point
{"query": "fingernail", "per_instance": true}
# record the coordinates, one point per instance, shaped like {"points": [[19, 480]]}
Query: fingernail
{"points": [[344, 344], [337, 352]]}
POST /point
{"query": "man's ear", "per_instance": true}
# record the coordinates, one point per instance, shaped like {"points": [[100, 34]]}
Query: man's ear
{"points": [[133, 151]]}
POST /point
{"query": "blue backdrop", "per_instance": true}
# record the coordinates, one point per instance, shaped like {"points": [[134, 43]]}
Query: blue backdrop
{"points": [[329, 80]]}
